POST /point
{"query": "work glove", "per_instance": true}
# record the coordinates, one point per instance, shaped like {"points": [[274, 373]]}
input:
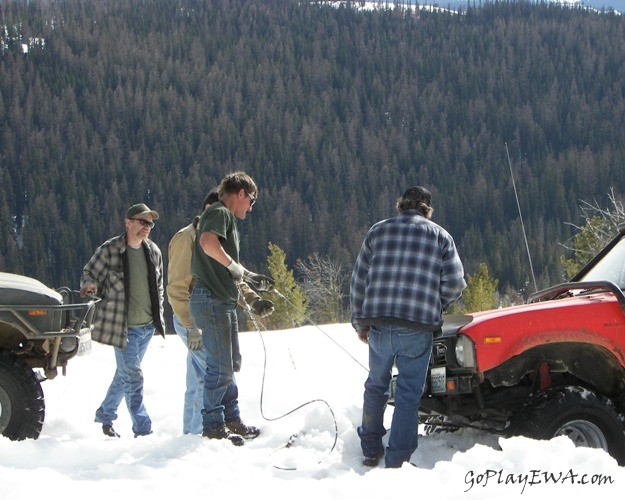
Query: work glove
{"points": [[194, 338], [261, 282], [236, 270], [262, 307]]}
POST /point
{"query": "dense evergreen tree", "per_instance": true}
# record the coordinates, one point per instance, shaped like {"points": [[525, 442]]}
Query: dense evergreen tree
{"points": [[290, 303], [480, 293], [333, 111]]}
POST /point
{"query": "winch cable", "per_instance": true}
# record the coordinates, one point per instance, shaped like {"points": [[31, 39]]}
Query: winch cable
{"points": [[262, 392], [319, 328]]}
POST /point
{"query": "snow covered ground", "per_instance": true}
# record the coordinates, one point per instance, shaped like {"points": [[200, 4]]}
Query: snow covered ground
{"points": [[72, 459]]}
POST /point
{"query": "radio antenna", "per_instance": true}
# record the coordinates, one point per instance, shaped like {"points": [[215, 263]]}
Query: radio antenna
{"points": [[529, 256]]}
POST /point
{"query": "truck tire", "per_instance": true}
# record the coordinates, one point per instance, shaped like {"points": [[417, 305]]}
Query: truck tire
{"points": [[587, 418], [21, 400]]}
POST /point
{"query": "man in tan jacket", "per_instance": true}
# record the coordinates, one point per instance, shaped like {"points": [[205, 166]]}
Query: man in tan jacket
{"points": [[179, 285]]}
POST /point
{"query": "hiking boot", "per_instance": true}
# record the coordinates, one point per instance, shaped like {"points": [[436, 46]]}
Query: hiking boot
{"points": [[108, 430], [222, 433], [373, 460], [139, 434], [237, 426]]}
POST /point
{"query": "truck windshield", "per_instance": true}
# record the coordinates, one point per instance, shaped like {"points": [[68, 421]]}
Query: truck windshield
{"points": [[610, 268]]}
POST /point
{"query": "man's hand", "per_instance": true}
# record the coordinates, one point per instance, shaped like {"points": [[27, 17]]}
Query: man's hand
{"points": [[261, 282], [194, 338], [262, 307], [364, 336], [88, 289], [236, 365], [361, 330]]}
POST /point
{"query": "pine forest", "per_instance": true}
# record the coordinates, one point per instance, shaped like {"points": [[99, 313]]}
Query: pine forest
{"points": [[333, 110]]}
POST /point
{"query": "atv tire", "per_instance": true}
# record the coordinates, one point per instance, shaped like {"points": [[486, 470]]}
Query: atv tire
{"points": [[588, 419], [22, 407]]}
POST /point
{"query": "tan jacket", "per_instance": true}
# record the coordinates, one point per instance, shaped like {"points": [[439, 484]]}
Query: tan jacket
{"points": [[179, 279]]}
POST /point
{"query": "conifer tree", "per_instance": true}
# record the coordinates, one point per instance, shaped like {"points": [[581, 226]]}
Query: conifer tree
{"points": [[586, 244], [481, 292], [289, 300]]}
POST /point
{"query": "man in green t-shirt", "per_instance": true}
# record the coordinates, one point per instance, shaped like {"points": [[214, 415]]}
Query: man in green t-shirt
{"points": [[217, 272]]}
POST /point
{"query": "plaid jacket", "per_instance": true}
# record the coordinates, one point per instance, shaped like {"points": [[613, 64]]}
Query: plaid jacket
{"points": [[408, 270], [107, 268]]}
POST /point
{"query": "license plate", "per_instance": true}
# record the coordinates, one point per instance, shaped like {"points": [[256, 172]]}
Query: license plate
{"points": [[438, 379], [84, 347]]}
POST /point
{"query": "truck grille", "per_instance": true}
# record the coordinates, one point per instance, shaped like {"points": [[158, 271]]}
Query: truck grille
{"points": [[439, 354]]}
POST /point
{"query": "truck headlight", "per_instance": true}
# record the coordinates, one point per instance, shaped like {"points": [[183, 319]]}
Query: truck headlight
{"points": [[68, 344], [465, 352]]}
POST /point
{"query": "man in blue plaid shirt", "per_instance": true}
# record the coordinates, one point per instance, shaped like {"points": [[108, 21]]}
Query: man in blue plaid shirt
{"points": [[407, 273]]}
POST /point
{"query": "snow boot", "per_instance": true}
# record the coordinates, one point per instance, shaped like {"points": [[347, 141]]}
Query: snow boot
{"points": [[238, 427], [222, 433]]}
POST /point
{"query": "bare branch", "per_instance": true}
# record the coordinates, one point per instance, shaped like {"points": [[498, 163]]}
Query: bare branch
{"points": [[323, 282]]}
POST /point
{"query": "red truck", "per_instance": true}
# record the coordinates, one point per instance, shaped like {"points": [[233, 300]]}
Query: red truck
{"points": [[553, 366]]}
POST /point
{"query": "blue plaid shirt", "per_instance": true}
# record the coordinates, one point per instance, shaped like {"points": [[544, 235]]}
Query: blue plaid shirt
{"points": [[408, 270]]}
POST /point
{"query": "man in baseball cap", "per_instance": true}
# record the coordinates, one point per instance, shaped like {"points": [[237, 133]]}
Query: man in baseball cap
{"points": [[126, 271], [407, 274]]}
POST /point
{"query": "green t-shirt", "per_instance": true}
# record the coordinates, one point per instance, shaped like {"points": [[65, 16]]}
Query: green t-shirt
{"points": [[207, 271], [139, 304]]}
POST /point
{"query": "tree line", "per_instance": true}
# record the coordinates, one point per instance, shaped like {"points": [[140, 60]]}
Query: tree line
{"points": [[333, 111]]}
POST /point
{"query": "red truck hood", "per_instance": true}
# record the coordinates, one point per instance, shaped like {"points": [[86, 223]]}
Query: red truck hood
{"points": [[500, 334]]}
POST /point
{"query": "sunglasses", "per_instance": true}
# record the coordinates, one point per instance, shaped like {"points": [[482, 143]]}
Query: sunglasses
{"points": [[252, 199], [145, 223]]}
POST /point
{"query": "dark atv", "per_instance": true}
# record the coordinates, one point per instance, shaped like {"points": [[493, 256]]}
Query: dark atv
{"points": [[40, 330], [553, 366]]}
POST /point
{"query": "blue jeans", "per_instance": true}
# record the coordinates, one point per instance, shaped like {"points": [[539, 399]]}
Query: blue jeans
{"points": [[194, 393], [409, 350], [128, 383], [218, 321]]}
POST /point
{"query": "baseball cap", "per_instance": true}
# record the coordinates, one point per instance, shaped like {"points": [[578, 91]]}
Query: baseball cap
{"points": [[140, 209], [418, 193]]}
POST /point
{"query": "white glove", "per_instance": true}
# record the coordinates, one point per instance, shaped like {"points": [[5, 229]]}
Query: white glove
{"points": [[237, 271]]}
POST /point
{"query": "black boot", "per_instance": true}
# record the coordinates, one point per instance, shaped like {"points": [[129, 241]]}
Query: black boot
{"points": [[373, 460], [222, 433], [237, 426], [108, 430]]}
